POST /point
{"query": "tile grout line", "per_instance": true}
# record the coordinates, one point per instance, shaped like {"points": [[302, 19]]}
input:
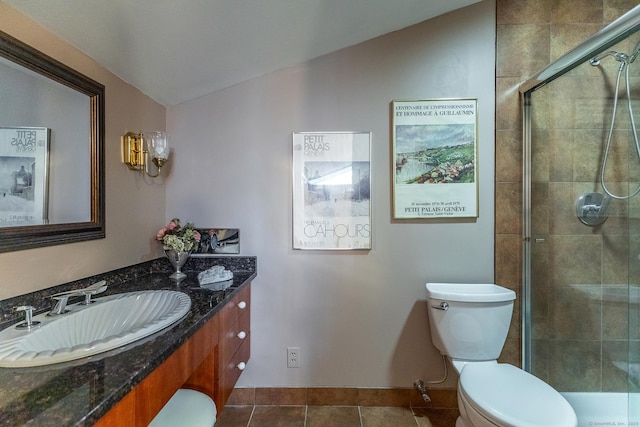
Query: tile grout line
{"points": [[413, 413], [253, 408]]}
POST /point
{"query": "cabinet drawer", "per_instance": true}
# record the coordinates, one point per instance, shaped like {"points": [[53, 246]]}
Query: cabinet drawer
{"points": [[232, 370], [232, 338], [240, 304]]}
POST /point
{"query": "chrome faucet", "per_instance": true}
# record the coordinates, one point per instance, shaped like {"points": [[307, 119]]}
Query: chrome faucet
{"points": [[63, 297], [61, 304], [28, 317], [88, 292]]}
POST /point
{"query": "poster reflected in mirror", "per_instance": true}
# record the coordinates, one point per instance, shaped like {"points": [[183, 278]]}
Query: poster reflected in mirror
{"points": [[24, 167], [217, 241], [331, 190], [434, 159]]}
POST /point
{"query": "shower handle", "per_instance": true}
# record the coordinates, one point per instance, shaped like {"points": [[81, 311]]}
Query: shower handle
{"points": [[592, 209]]}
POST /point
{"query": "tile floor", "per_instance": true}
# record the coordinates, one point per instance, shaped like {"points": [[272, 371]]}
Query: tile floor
{"points": [[334, 416]]}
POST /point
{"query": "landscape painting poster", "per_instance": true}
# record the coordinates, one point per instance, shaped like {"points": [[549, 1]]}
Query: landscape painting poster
{"points": [[434, 163], [24, 157], [331, 190]]}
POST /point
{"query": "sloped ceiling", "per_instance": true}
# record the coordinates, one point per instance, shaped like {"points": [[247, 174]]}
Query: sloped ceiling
{"points": [[178, 50]]}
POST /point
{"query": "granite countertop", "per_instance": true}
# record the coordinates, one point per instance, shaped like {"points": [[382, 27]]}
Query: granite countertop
{"points": [[79, 393]]}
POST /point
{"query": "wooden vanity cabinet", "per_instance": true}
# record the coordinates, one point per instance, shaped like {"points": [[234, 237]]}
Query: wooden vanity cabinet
{"points": [[210, 362], [234, 345], [142, 403]]}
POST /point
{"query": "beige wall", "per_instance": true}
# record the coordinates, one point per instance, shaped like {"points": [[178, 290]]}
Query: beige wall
{"points": [[339, 307], [359, 318], [135, 208]]}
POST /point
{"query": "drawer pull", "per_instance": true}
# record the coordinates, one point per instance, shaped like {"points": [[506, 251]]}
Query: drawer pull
{"points": [[242, 335], [241, 366], [242, 305]]}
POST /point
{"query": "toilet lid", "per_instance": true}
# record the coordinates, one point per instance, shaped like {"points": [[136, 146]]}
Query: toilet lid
{"points": [[511, 396]]}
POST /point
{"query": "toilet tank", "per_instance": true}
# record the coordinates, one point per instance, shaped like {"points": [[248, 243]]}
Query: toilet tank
{"points": [[469, 321]]}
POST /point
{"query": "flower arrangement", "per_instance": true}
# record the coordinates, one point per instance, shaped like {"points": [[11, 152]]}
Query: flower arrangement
{"points": [[179, 238]]}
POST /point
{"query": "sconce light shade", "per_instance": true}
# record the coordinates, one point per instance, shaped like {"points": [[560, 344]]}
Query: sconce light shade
{"points": [[139, 148], [158, 147]]}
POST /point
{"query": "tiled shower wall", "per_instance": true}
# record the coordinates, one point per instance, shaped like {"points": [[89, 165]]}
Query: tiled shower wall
{"points": [[576, 334]]}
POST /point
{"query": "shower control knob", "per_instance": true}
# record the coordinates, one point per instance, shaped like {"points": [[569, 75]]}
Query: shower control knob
{"points": [[592, 209]]}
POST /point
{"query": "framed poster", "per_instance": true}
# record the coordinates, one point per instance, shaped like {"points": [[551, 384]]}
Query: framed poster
{"points": [[24, 166], [434, 163], [331, 190]]}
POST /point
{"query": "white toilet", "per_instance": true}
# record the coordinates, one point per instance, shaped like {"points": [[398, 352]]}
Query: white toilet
{"points": [[469, 325]]}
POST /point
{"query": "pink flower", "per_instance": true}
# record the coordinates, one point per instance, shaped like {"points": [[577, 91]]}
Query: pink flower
{"points": [[161, 233], [178, 237]]}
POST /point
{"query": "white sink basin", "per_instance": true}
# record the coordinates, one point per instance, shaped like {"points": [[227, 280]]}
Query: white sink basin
{"points": [[108, 323]]}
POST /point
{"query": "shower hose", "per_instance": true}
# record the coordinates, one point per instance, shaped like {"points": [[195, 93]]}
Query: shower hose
{"points": [[624, 60]]}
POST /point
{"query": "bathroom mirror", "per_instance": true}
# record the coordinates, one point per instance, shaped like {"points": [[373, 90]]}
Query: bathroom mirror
{"points": [[51, 151]]}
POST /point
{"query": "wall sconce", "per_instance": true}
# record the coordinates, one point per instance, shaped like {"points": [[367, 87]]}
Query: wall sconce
{"points": [[140, 147]]}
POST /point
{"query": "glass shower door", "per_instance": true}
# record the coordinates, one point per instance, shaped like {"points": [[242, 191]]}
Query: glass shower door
{"points": [[582, 257]]}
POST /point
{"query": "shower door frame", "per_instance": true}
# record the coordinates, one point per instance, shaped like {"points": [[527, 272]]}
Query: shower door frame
{"points": [[526, 229]]}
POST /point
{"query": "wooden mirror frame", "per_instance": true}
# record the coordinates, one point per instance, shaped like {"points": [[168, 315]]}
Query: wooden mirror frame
{"points": [[35, 236]]}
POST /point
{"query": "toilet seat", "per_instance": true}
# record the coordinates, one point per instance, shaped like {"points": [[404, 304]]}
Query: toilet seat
{"points": [[506, 395], [186, 408]]}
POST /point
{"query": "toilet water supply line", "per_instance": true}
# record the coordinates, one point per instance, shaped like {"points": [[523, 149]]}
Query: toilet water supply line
{"points": [[421, 387], [624, 60]]}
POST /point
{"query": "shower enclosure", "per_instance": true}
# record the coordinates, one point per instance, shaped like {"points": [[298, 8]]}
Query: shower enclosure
{"points": [[581, 296]]}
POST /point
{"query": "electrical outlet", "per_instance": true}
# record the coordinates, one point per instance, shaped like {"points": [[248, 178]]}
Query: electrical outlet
{"points": [[293, 357]]}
